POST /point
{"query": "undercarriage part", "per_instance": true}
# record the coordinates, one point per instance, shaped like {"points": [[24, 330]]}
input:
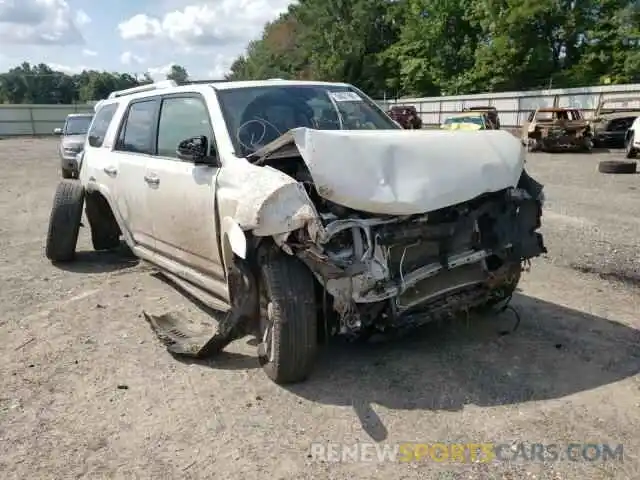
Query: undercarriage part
{"points": [[183, 335]]}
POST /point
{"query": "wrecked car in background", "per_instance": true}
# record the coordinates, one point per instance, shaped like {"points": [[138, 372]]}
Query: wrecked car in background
{"points": [[550, 128], [490, 112], [612, 120], [311, 214], [468, 121], [407, 117]]}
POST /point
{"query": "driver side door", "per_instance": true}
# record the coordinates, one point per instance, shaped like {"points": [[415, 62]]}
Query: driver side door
{"points": [[182, 193]]}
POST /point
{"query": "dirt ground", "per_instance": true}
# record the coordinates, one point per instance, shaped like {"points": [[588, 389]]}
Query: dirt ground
{"points": [[88, 392]]}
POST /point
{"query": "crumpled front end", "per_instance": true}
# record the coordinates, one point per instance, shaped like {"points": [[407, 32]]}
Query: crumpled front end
{"points": [[402, 242], [398, 271]]}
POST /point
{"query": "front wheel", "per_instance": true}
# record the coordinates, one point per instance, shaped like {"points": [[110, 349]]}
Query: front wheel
{"points": [[288, 322]]}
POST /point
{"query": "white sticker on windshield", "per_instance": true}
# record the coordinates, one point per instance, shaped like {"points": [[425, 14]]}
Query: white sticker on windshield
{"points": [[345, 96]]}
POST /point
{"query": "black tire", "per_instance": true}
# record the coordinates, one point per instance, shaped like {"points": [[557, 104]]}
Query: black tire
{"points": [[617, 166], [288, 286], [105, 234], [64, 222], [630, 152], [66, 173]]}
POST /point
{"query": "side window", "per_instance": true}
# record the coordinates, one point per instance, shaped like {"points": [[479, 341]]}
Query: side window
{"points": [[136, 134], [182, 118], [531, 115], [100, 124]]}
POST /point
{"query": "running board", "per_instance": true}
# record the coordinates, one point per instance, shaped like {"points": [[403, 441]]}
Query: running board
{"points": [[189, 282]]}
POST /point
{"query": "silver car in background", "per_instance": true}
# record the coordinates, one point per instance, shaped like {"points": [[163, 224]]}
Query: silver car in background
{"points": [[73, 135]]}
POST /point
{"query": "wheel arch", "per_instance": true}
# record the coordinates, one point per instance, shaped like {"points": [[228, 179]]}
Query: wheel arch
{"points": [[104, 194]]}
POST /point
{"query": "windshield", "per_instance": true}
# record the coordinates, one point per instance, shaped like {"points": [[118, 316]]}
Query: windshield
{"points": [[477, 120], [258, 115], [77, 125]]}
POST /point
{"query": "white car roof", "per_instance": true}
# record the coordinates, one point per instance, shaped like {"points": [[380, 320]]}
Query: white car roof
{"points": [[272, 82]]}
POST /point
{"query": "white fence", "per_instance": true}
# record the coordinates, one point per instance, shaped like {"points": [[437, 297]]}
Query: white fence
{"points": [[17, 120], [514, 107]]}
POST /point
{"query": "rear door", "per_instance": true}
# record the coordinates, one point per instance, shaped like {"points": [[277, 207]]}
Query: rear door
{"points": [[134, 147]]}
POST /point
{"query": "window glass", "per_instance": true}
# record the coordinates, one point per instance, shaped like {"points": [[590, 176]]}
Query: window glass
{"points": [[181, 118], [101, 123], [466, 119], [136, 135], [77, 125]]}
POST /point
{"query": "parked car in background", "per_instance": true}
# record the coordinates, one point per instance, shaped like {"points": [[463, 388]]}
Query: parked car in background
{"points": [[407, 117], [490, 112], [612, 119], [557, 128], [73, 135], [468, 121]]}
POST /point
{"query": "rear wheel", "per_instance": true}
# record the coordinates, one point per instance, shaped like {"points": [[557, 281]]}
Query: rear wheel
{"points": [[630, 152], [64, 222], [288, 323], [105, 233]]}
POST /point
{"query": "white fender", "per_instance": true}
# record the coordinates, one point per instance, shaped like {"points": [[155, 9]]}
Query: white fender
{"points": [[235, 236]]}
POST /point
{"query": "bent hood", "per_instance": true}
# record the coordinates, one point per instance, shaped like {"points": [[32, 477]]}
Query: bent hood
{"points": [[403, 172]]}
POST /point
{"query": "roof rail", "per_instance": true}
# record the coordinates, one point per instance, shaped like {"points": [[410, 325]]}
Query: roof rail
{"points": [[196, 82], [143, 88]]}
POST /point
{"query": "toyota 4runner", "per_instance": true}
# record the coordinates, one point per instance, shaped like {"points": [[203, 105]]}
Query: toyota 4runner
{"points": [[300, 209]]}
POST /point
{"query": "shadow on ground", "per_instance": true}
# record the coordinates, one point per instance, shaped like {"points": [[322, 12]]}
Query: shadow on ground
{"points": [[555, 352], [222, 361], [99, 262]]}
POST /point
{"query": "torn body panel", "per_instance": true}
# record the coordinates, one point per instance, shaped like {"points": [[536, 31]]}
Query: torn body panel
{"points": [[263, 200]]}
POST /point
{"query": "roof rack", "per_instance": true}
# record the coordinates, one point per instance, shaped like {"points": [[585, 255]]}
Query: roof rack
{"points": [[197, 82], [143, 88]]}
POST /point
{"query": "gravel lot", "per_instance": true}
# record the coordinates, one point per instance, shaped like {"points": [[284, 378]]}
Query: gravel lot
{"points": [[88, 392]]}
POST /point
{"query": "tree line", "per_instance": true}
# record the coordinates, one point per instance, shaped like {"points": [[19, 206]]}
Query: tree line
{"points": [[399, 48], [447, 47], [41, 84]]}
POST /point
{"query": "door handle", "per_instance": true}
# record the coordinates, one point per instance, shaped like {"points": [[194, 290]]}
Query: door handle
{"points": [[151, 180], [111, 171]]}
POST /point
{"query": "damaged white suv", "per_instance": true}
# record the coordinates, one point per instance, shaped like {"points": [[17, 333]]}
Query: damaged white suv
{"points": [[298, 209]]}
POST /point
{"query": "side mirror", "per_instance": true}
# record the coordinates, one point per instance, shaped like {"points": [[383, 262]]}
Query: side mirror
{"points": [[194, 150], [57, 131]]}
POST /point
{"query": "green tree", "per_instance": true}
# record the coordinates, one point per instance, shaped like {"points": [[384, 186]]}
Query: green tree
{"points": [[178, 74]]}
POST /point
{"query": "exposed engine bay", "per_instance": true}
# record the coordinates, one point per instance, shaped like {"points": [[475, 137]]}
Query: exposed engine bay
{"points": [[395, 271]]}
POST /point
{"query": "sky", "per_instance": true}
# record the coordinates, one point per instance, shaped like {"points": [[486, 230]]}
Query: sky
{"points": [[134, 36]]}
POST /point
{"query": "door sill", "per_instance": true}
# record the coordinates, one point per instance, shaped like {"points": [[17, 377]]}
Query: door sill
{"points": [[209, 291]]}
